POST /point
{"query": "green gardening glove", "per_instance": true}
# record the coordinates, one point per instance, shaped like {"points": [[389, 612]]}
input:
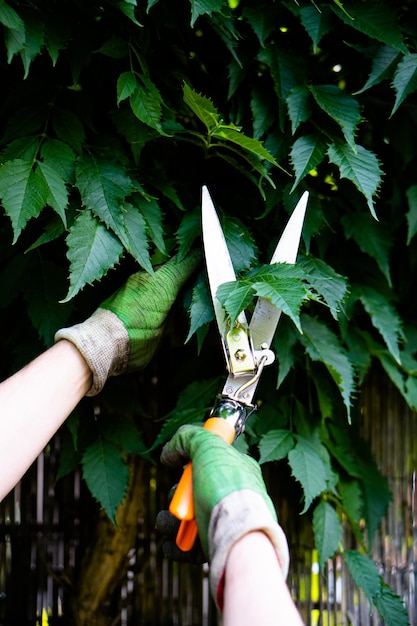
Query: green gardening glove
{"points": [[230, 498], [123, 334]]}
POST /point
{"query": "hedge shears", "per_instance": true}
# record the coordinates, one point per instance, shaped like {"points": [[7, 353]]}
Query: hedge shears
{"points": [[246, 348]]}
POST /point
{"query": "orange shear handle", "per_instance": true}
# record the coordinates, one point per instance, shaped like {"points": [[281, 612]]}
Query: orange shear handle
{"points": [[182, 505]]}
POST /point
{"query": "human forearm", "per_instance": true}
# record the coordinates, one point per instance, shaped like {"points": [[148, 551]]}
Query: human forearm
{"points": [[34, 403], [255, 589]]}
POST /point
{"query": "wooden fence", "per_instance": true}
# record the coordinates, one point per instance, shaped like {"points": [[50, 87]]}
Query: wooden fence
{"points": [[41, 543]]}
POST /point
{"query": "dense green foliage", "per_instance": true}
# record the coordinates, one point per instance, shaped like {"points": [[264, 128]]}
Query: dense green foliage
{"points": [[114, 114]]}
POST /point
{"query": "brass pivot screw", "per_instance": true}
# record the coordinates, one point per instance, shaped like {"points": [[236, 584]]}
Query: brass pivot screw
{"points": [[240, 355]]}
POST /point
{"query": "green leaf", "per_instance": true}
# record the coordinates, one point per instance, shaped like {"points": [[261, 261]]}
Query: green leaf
{"points": [[137, 236], [242, 247], [275, 445], [249, 144], [412, 212], [360, 166], [375, 241], [390, 607], [316, 22], [299, 106], [235, 297], [262, 22], [103, 186], [202, 107], [364, 572], [378, 21], [33, 42], [23, 192], [330, 285], [59, 156], [328, 531], [384, 317], [341, 107], [306, 153], [285, 340], [9, 18], [201, 309], [126, 86], [324, 346], [57, 192], [14, 41], [92, 251], [383, 65], [106, 475], [152, 214], [146, 104], [309, 469], [405, 80], [204, 7]]}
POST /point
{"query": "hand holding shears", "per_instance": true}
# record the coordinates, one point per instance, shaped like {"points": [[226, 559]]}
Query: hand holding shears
{"points": [[246, 348]]}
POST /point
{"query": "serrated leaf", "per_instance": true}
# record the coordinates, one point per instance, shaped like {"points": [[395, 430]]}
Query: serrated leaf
{"points": [[241, 245], [328, 531], [372, 238], [343, 108], [103, 186], [106, 475], [411, 194], [405, 79], [263, 112], [383, 65], [14, 41], [33, 42], [249, 144], [202, 107], [61, 157], [384, 317], [309, 469], [57, 192], [324, 346], [137, 236], [152, 214], [316, 22], [115, 47], [360, 166], [378, 21], [364, 572], [188, 231], [23, 192], [285, 339], [235, 297], [306, 153], [146, 103], [261, 22], [376, 495], [201, 310], [299, 106], [391, 607], [204, 7], [10, 18], [24, 148], [331, 286], [92, 251], [275, 445], [126, 85]]}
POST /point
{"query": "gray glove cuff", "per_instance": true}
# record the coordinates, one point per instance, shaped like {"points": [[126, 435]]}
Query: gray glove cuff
{"points": [[104, 343], [233, 517]]}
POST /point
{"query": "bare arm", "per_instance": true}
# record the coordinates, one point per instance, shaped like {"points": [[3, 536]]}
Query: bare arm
{"points": [[34, 403], [255, 589]]}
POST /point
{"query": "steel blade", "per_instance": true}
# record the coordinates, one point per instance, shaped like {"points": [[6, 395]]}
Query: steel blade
{"points": [[219, 264], [266, 315]]}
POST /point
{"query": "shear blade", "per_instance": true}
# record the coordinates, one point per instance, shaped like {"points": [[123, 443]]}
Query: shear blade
{"points": [[219, 264], [266, 315]]}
